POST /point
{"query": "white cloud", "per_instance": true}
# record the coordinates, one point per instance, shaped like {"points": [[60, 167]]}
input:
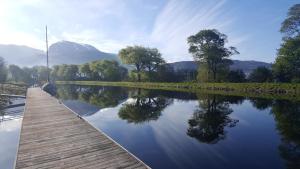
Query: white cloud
{"points": [[111, 25], [180, 19]]}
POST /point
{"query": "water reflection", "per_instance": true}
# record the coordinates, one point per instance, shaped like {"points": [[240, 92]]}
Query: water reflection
{"points": [[144, 106], [11, 113], [173, 125], [209, 120], [261, 104], [287, 116]]}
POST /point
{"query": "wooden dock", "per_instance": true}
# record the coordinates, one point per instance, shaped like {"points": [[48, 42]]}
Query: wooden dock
{"points": [[52, 136]]}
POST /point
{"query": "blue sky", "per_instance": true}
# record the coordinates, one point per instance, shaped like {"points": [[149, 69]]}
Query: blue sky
{"points": [[251, 25]]}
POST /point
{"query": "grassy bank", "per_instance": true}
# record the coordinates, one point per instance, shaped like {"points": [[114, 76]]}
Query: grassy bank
{"points": [[265, 90]]}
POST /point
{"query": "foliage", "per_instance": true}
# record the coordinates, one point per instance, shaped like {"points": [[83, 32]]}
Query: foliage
{"points": [[143, 59], [3, 70], [208, 48], [264, 90], [291, 25], [287, 64], [108, 70], [85, 70], [36, 74], [236, 76], [260, 75]]}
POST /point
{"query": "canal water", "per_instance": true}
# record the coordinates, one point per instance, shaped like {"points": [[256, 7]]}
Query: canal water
{"points": [[168, 129], [10, 125]]}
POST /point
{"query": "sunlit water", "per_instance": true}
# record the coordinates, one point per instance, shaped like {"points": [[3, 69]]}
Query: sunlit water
{"points": [[184, 130], [10, 125]]}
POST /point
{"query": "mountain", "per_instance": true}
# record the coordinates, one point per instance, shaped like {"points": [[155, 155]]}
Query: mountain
{"points": [[22, 55], [66, 52], [63, 52], [246, 66]]}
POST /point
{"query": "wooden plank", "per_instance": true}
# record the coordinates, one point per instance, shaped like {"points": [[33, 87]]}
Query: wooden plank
{"points": [[52, 136]]}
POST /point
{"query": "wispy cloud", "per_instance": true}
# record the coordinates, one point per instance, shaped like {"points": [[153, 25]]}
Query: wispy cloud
{"points": [[180, 19], [113, 24]]}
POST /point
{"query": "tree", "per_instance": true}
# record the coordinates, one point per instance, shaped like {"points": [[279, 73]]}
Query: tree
{"points": [[134, 55], [260, 75], [144, 59], [3, 70], [70, 72], [108, 70], [16, 73], [291, 25], [42, 73], [208, 48], [236, 76], [153, 59], [85, 70], [287, 64]]}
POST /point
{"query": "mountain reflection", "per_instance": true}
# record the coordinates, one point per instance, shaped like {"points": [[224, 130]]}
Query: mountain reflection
{"points": [[209, 120], [145, 106]]}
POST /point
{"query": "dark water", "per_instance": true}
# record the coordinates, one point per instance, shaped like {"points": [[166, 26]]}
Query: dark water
{"points": [[184, 130]]}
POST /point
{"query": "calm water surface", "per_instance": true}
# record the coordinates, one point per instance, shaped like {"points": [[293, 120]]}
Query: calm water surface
{"points": [[10, 125], [180, 130], [184, 130]]}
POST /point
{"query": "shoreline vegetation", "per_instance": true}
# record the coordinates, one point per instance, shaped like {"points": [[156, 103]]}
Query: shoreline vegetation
{"points": [[287, 91]]}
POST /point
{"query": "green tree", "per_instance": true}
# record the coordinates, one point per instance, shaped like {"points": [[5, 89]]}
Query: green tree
{"points": [[153, 61], [260, 75], [3, 70], [142, 58], [42, 73], [108, 70], [134, 55], [16, 73], [208, 48], [70, 72], [287, 64], [85, 70], [291, 25], [236, 76]]}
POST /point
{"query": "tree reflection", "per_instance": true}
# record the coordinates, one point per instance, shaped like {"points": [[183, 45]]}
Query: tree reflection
{"points": [[287, 116], [261, 103], [208, 122], [67, 92], [102, 96], [145, 106]]}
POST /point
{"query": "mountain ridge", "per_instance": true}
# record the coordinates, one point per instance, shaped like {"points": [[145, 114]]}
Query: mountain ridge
{"points": [[67, 52]]}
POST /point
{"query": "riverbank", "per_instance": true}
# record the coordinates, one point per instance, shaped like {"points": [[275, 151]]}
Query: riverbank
{"points": [[264, 90]]}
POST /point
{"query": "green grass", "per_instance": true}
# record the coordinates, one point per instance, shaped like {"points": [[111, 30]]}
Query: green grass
{"points": [[265, 90]]}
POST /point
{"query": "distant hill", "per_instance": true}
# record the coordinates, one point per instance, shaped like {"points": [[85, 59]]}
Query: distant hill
{"points": [[63, 52], [22, 55], [66, 52], [246, 66]]}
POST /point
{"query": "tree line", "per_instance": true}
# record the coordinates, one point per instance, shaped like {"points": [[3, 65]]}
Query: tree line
{"points": [[208, 48]]}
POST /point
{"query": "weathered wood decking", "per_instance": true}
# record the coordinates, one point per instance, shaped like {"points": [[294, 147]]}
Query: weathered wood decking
{"points": [[53, 137]]}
